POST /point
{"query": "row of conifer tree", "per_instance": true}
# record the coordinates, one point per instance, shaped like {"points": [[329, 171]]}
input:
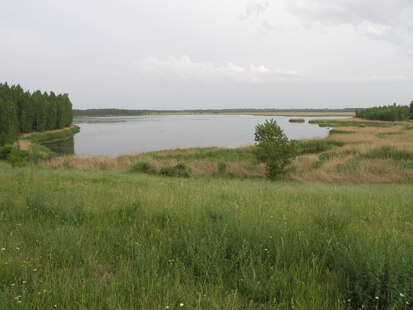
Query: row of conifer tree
{"points": [[387, 113], [24, 112]]}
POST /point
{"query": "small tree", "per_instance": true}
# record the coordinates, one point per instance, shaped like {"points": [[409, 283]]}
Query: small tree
{"points": [[273, 148]]}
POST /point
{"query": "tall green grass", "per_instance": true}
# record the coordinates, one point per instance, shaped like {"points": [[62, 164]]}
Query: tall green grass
{"points": [[105, 240]]}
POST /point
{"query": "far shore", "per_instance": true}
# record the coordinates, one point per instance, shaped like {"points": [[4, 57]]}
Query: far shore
{"points": [[257, 113]]}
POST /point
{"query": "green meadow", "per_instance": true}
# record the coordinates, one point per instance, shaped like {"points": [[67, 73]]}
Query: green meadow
{"points": [[83, 239]]}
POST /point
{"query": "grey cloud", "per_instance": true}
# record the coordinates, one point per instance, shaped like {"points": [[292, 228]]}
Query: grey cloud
{"points": [[184, 69], [255, 8], [383, 19]]}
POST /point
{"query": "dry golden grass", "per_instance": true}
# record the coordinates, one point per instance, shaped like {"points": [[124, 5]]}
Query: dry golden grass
{"points": [[23, 144], [344, 165]]}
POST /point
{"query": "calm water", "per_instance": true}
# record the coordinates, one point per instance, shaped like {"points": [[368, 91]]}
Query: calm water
{"points": [[112, 136]]}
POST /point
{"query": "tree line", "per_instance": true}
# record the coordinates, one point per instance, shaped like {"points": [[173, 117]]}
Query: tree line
{"points": [[109, 112], [23, 112], [128, 112], [387, 113]]}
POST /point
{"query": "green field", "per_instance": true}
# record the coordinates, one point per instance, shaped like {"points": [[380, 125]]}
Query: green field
{"points": [[82, 239]]}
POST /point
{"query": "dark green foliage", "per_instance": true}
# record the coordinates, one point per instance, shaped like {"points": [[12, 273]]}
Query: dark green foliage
{"points": [[143, 167], [180, 170], [22, 112], [296, 120], [273, 148], [18, 157], [386, 113], [5, 151], [222, 167], [9, 123], [109, 112], [337, 131]]}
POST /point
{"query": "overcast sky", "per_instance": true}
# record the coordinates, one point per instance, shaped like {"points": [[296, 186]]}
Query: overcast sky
{"points": [[180, 54]]}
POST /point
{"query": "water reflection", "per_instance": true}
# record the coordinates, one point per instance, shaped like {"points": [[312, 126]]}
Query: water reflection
{"points": [[66, 146]]}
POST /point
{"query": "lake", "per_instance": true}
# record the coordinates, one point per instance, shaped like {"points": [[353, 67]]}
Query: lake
{"points": [[113, 136]]}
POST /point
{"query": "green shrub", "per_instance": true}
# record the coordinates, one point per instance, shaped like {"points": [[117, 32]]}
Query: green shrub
{"points": [[180, 170], [143, 167], [5, 151], [18, 157], [222, 167]]}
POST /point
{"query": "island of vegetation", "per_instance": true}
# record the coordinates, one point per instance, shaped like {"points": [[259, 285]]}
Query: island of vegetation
{"points": [[203, 228], [296, 120]]}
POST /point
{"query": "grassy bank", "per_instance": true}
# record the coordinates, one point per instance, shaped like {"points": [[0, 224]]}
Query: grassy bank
{"points": [[53, 135], [76, 239], [345, 156]]}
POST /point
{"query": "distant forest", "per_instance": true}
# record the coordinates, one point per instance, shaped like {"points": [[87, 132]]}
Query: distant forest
{"points": [[125, 112], [387, 113], [23, 112]]}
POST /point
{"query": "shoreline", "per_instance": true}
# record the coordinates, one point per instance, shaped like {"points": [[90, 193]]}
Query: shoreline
{"points": [[302, 114], [26, 140]]}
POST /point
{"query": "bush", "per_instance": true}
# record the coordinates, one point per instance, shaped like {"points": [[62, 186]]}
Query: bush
{"points": [[14, 155], [180, 170], [18, 157], [143, 167], [5, 151], [273, 148], [222, 167]]}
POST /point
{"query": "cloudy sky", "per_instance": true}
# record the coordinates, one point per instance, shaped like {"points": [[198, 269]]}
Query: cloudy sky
{"points": [[180, 54]]}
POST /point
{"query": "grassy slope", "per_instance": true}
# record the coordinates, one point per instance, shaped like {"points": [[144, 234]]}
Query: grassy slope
{"points": [[111, 240]]}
